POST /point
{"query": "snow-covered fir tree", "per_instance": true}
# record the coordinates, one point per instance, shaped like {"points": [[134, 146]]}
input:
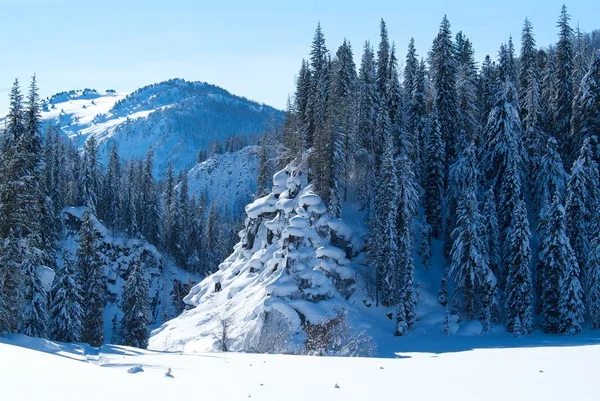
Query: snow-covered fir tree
{"points": [[585, 122], [443, 71], [564, 80], [518, 302], [561, 292], [581, 207], [469, 266], [433, 184], [93, 282], [135, 308], [65, 309], [384, 247], [592, 284]]}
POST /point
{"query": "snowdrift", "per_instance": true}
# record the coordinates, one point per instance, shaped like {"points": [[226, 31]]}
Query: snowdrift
{"points": [[286, 285]]}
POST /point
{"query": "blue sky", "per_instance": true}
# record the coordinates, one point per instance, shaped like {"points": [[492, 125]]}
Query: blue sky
{"points": [[252, 48]]}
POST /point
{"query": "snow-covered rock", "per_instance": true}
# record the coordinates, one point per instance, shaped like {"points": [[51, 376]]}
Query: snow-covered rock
{"points": [[284, 285]]}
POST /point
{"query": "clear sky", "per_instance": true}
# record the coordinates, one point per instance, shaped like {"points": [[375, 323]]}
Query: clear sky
{"points": [[250, 47]]}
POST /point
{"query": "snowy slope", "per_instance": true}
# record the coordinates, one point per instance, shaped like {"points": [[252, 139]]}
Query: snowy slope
{"points": [[228, 179], [564, 368], [175, 117], [118, 253]]}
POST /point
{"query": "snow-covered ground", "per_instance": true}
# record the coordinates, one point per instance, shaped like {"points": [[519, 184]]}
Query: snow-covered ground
{"points": [[530, 368]]}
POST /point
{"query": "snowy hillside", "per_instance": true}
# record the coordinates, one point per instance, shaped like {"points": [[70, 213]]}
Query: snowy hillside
{"points": [[168, 283], [175, 117], [562, 369], [228, 179]]}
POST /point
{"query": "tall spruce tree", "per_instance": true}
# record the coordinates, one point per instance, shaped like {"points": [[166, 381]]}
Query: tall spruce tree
{"points": [[585, 122], [466, 88], [518, 300], [583, 197], [365, 141], [408, 200], [443, 71], [434, 178], [385, 251], [93, 283], [469, 266], [559, 292], [564, 79], [529, 99], [66, 310], [135, 306], [91, 175], [592, 295]]}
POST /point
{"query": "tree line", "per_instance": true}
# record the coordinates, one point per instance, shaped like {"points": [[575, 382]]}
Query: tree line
{"points": [[497, 162]]}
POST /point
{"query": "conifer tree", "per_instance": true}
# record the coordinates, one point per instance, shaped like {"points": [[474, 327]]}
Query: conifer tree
{"points": [[91, 175], [383, 63], [550, 177], [559, 267], [66, 311], [503, 129], [35, 314], [592, 296], [508, 200], [416, 120], [111, 194], [492, 234], [485, 93], [135, 308], [434, 178], [148, 218], [93, 283], [171, 223], [262, 180], [548, 67], [443, 71], [585, 122], [518, 299], [529, 99], [583, 197], [564, 78], [340, 122], [385, 250], [407, 198], [469, 266], [411, 68], [469, 263], [11, 284], [365, 141], [466, 81]]}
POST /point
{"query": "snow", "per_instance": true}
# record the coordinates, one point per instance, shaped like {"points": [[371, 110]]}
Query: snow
{"points": [[555, 369], [261, 206], [228, 179], [331, 252]]}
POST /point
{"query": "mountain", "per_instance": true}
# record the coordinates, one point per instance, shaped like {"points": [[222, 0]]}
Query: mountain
{"points": [[176, 117]]}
